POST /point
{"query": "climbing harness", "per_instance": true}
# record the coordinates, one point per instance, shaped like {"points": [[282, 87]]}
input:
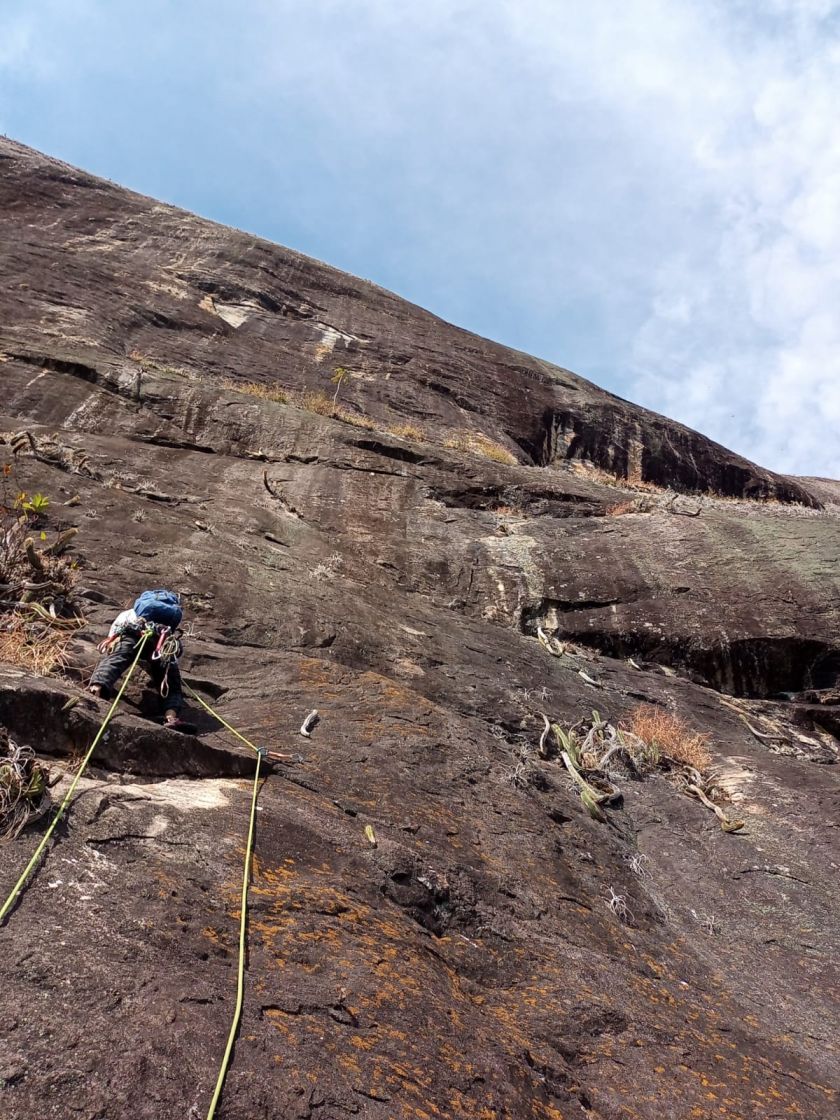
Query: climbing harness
{"points": [[17, 888], [167, 649]]}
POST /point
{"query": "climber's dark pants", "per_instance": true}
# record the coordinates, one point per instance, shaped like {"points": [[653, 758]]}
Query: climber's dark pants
{"points": [[113, 665]]}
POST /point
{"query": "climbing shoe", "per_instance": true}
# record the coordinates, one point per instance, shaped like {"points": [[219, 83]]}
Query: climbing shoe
{"points": [[178, 725]]}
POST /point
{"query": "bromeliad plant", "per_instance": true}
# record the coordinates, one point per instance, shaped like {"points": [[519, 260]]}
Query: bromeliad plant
{"points": [[30, 572], [594, 750], [24, 788]]}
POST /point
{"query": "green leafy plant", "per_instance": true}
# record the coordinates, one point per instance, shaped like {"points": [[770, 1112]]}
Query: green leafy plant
{"points": [[567, 741], [36, 504]]}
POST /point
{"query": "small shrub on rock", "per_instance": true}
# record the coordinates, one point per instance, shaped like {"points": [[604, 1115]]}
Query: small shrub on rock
{"points": [[667, 734], [36, 577]]}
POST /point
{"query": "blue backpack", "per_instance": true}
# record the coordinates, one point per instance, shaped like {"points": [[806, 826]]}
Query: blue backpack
{"points": [[162, 607]]}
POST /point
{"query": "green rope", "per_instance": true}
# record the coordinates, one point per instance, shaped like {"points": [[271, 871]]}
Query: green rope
{"points": [[7, 905], [216, 715], [243, 913]]}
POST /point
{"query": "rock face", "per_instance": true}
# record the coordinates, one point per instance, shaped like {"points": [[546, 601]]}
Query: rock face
{"points": [[469, 965]]}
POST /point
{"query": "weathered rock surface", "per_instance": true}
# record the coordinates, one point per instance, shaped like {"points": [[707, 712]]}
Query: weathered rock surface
{"points": [[469, 965]]}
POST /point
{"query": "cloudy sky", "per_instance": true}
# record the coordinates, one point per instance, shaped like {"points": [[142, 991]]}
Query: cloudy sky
{"points": [[644, 191]]}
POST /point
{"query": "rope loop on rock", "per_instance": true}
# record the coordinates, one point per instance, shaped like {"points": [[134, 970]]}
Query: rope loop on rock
{"points": [[18, 887]]}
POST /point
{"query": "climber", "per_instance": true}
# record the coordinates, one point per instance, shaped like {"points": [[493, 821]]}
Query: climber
{"points": [[160, 612]]}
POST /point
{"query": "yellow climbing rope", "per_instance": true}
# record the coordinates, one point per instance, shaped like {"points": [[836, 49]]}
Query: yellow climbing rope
{"points": [[243, 918], [16, 889], [243, 912]]}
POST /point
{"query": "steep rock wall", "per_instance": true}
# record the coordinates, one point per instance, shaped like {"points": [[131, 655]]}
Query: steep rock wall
{"points": [[470, 964]]}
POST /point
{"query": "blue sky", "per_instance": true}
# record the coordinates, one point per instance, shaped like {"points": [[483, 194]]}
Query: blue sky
{"points": [[647, 193]]}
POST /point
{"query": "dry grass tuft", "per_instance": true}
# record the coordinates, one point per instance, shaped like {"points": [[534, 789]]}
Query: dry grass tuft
{"points": [[587, 469], [255, 389], [150, 364], [407, 431], [320, 403], [667, 734], [34, 645], [357, 419], [477, 443], [36, 577], [310, 401], [482, 445]]}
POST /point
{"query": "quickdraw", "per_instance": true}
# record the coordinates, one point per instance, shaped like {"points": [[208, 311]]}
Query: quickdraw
{"points": [[108, 643], [167, 650]]}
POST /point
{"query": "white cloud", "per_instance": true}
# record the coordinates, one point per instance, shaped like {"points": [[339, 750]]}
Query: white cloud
{"points": [[646, 190], [712, 122], [774, 327]]}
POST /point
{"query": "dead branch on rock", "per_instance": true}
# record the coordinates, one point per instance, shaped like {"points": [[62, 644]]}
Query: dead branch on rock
{"points": [[279, 495], [543, 748], [761, 736], [554, 647], [726, 824], [617, 904], [569, 653], [50, 450]]}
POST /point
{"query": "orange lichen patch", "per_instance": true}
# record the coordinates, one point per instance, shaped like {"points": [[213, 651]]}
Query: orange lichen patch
{"points": [[315, 672], [221, 940], [347, 1062], [168, 882]]}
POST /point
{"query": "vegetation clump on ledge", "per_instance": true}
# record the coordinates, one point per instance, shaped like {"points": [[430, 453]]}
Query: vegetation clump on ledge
{"points": [[322, 404], [36, 575]]}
